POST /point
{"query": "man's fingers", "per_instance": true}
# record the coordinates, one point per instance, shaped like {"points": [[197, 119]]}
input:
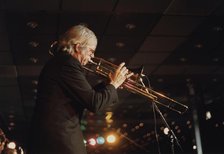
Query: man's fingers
{"points": [[129, 75], [121, 66]]}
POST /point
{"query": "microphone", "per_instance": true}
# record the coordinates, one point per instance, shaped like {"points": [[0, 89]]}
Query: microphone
{"points": [[139, 72]]}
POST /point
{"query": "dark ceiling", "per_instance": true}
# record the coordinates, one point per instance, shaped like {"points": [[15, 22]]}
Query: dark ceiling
{"points": [[180, 43]]}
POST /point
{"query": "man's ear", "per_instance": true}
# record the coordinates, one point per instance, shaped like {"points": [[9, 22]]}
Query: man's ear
{"points": [[78, 48]]}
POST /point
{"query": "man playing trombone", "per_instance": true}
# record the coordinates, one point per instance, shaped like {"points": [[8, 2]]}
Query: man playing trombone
{"points": [[64, 93]]}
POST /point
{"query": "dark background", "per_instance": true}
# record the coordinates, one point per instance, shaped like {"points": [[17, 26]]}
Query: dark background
{"points": [[180, 43]]}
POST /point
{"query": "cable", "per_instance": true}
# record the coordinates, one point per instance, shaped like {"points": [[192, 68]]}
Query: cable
{"points": [[155, 127], [154, 115]]}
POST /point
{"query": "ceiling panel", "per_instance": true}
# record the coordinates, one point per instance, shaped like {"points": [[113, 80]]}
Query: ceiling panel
{"points": [[219, 71], [130, 24], [169, 70], [192, 7], [35, 43], [10, 94], [28, 87], [8, 81], [8, 71], [177, 25], [148, 69], [31, 23], [146, 6], [23, 5], [28, 70], [32, 50], [114, 45], [4, 43], [14, 108], [147, 58], [89, 19], [2, 23], [88, 5], [6, 58], [219, 11], [157, 44], [199, 69], [195, 57]]}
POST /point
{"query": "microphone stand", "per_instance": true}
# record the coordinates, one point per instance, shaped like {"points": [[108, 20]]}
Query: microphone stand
{"points": [[171, 133]]}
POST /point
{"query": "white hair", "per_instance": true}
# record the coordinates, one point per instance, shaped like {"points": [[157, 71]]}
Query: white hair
{"points": [[78, 34]]}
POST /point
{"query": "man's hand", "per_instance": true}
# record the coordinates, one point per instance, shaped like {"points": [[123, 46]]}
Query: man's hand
{"points": [[119, 76]]}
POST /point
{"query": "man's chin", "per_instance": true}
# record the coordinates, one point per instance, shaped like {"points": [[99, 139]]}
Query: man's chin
{"points": [[85, 63]]}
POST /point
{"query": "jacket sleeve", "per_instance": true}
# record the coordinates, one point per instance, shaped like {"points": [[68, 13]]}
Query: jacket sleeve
{"points": [[76, 85]]}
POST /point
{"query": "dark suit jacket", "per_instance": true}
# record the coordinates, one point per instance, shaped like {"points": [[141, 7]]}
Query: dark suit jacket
{"points": [[63, 94]]}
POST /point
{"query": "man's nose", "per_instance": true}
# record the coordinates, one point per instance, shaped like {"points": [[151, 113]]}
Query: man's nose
{"points": [[92, 55]]}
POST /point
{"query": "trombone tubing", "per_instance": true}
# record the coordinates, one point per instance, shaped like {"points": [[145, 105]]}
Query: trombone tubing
{"points": [[131, 85]]}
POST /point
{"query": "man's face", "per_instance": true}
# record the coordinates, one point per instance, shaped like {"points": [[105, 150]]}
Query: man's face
{"points": [[87, 52]]}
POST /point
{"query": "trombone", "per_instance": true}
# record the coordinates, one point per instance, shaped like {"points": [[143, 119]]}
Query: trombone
{"points": [[135, 85]]}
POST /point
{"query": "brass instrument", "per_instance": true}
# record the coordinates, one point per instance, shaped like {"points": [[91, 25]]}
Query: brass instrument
{"points": [[135, 85]]}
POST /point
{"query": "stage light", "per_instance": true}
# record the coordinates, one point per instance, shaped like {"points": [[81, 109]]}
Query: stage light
{"points": [[194, 147], [166, 131], [111, 138], [130, 26], [92, 141], [100, 140], [208, 115], [11, 145], [84, 141]]}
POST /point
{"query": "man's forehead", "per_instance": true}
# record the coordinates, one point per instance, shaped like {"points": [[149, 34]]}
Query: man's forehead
{"points": [[92, 43]]}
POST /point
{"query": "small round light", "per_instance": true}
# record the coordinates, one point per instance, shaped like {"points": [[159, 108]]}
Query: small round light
{"points": [[92, 141], [111, 138], [166, 131], [194, 147], [11, 145], [100, 140]]}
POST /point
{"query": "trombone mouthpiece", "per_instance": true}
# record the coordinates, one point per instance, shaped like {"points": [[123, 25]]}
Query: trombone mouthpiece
{"points": [[92, 62]]}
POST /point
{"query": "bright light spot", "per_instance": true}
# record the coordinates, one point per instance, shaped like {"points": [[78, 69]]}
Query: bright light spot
{"points": [[111, 138], [125, 134], [166, 131], [109, 117], [208, 115], [141, 124], [188, 122], [136, 127], [92, 141], [12, 124], [11, 145], [130, 26], [194, 147], [120, 44], [182, 59], [199, 45], [100, 140], [124, 125]]}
